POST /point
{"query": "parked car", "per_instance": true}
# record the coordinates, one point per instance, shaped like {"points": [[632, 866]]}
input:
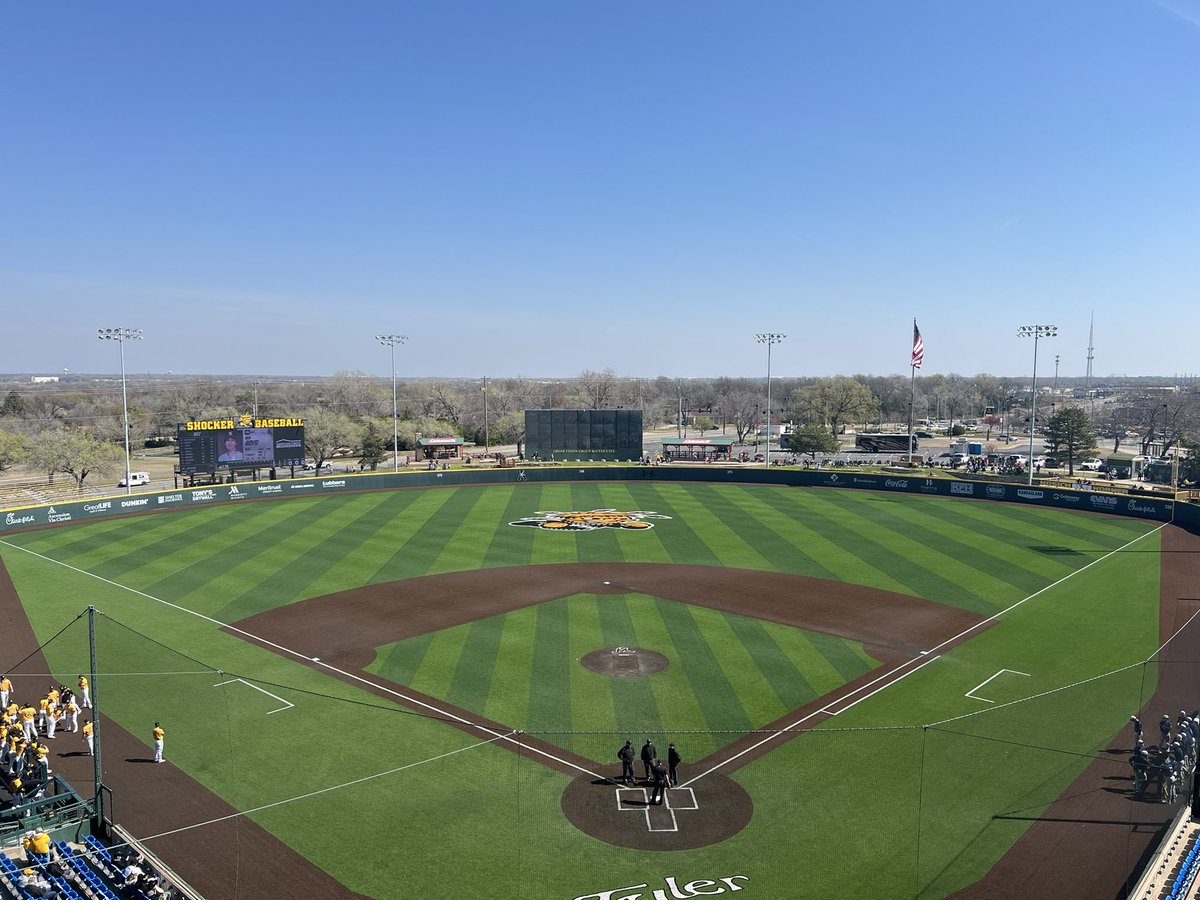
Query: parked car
{"points": [[1092, 465], [135, 479]]}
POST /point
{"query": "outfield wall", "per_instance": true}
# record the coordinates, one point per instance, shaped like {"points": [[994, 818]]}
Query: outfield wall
{"points": [[1186, 515]]}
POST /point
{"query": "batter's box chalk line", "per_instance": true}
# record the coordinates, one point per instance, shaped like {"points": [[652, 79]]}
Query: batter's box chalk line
{"points": [[658, 818]]}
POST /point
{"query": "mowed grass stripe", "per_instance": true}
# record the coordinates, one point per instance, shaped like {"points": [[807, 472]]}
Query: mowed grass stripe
{"points": [[675, 700], [1012, 523], [468, 546], [787, 681], [776, 537], [636, 545], [202, 565], [904, 559], [678, 538], [411, 544], [593, 696], [512, 545], [288, 569], [437, 536], [508, 700], [631, 700], [400, 662], [700, 507], [719, 702], [550, 684], [553, 546], [120, 555], [436, 671], [1002, 579], [757, 696], [838, 549], [348, 555], [473, 674], [1006, 537], [845, 659], [1107, 531], [600, 544]]}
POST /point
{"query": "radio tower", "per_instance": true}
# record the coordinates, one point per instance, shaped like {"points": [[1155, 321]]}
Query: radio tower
{"points": [[1091, 402]]}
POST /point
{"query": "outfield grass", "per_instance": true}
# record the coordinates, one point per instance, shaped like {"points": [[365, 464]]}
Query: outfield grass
{"points": [[487, 823]]}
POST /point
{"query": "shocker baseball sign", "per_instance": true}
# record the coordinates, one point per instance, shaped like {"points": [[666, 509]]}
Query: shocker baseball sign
{"points": [[591, 520]]}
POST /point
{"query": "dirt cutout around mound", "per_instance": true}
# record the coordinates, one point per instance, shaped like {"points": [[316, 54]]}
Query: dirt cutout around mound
{"points": [[343, 630], [233, 857]]}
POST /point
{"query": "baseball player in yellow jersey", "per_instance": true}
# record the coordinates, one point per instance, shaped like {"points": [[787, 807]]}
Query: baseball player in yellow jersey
{"points": [[12, 712], [71, 715], [87, 738], [5, 690], [158, 734], [85, 698], [43, 705], [28, 714]]}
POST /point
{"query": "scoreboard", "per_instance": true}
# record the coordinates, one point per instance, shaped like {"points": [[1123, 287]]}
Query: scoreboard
{"points": [[243, 443]]}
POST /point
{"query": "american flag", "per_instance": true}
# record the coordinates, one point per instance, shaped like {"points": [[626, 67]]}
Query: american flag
{"points": [[918, 346]]}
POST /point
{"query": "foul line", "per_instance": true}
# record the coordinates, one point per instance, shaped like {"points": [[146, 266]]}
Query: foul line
{"points": [[445, 714], [889, 675]]}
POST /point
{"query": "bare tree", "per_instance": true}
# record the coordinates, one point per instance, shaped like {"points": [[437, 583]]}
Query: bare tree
{"points": [[597, 390]]}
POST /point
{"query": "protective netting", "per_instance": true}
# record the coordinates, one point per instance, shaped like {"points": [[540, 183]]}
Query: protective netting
{"points": [[902, 810]]}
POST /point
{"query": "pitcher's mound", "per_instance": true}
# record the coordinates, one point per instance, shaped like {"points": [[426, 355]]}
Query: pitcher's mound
{"points": [[624, 662]]}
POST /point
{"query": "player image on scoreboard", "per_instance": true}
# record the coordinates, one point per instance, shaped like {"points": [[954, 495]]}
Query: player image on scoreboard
{"points": [[258, 446]]}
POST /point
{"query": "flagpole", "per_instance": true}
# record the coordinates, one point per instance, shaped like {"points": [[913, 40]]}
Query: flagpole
{"points": [[912, 402], [918, 354]]}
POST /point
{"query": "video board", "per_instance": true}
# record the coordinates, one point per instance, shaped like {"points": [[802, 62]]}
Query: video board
{"points": [[208, 445]]}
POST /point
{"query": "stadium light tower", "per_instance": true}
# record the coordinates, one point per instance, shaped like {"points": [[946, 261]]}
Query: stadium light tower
{"points": [[1035, 332], [768, 338], [121, 335], [390, 341]]}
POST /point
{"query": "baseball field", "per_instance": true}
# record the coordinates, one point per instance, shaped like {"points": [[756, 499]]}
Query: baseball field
{"points": [[421, 693]]}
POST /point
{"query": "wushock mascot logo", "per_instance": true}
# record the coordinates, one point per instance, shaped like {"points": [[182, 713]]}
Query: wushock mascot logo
{"points": [[591, 520]]}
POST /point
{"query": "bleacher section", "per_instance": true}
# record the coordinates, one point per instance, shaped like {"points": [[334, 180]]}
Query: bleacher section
{"points": [[1174, 873]]}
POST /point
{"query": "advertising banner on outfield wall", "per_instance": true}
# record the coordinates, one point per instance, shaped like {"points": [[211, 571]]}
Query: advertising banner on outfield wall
{"points": [[1138, 506]]}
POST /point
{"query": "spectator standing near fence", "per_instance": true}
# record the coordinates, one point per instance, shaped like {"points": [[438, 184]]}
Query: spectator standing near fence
{"points": [[158, 734]]}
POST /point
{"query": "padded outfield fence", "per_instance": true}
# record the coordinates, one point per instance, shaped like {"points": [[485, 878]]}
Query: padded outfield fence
{"points": [[1153, 508]]}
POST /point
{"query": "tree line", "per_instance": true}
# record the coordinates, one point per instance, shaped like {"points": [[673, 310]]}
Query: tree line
{"points": [[75, 427]]}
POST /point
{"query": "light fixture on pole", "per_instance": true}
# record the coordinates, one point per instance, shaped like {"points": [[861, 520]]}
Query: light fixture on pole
{"points": [[768, 338], [1035, 332], [390, 341], [121, 335], [487, 441]]}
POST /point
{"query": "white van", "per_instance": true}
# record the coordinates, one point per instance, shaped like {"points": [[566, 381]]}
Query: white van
{"points": [[135, 478]]}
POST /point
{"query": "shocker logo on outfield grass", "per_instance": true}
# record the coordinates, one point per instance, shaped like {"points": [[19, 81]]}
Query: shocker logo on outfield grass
{"points": [[591, 520]]}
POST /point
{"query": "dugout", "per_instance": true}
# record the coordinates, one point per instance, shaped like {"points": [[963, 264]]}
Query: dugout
{"points": [[439, 448], [698, 449]]}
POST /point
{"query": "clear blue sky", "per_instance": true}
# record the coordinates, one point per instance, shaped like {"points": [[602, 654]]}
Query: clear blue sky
{"points": [[540, 188]]}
